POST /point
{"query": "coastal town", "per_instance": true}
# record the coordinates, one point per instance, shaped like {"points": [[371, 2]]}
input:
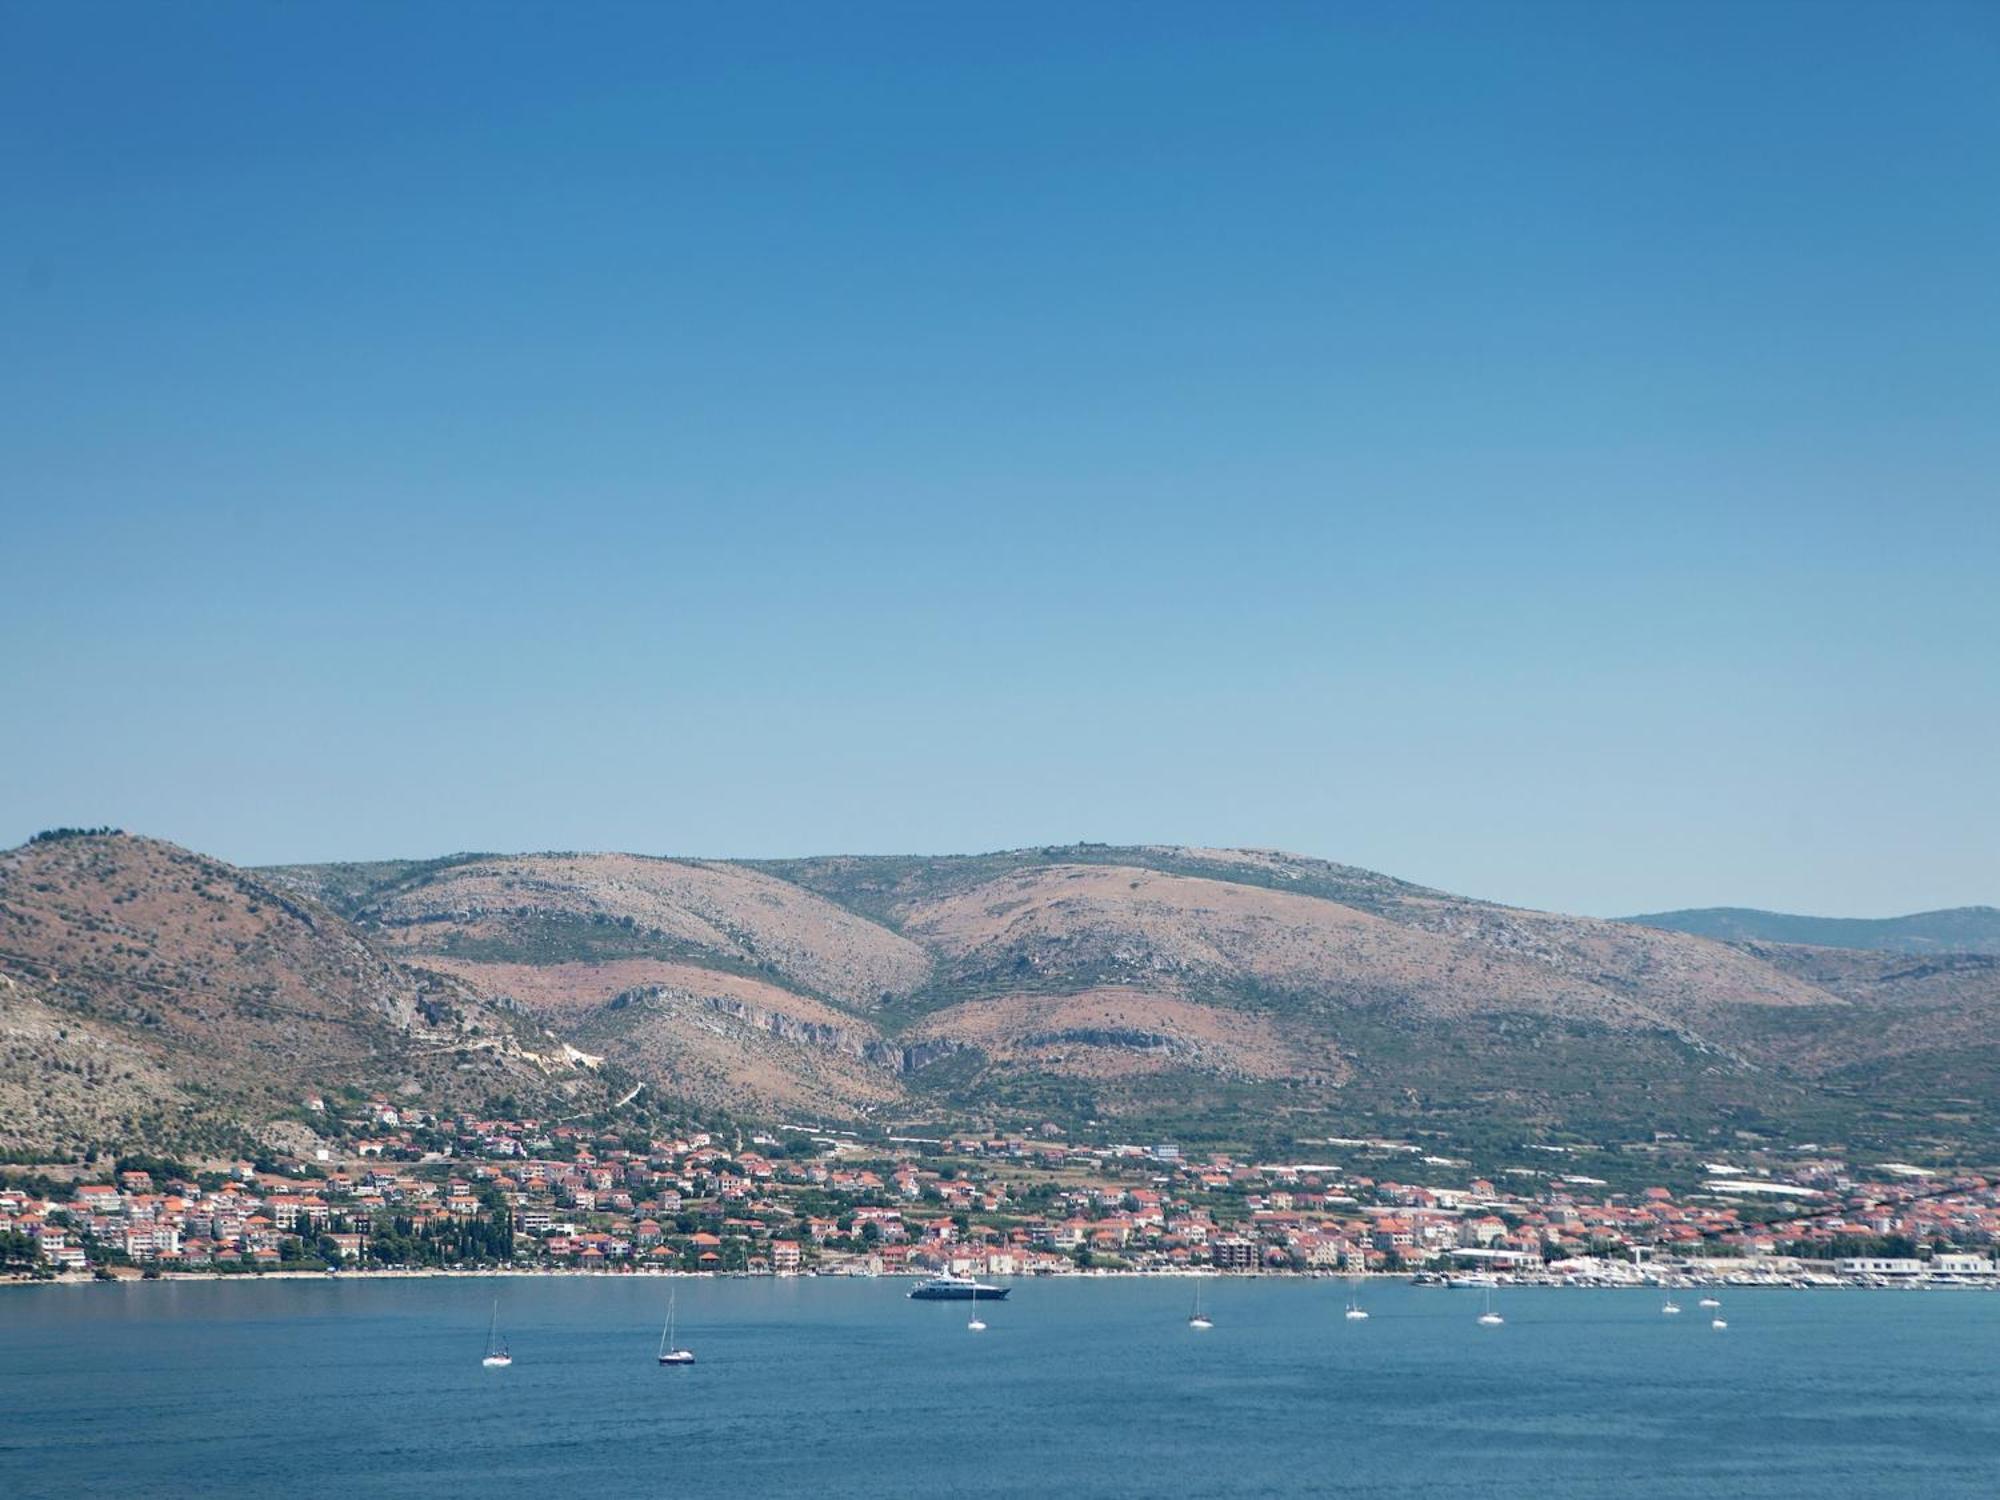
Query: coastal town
{"points": [[408, 1191]]}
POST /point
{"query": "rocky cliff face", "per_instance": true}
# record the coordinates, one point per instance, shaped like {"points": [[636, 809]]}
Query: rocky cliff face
{"points": [[848, 1039]]}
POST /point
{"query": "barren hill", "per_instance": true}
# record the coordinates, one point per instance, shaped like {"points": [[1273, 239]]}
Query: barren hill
{"points": [[150, 992], [1070, 925], [723, 916], [1184, 989], [1918, 1037], [1242, 995]]}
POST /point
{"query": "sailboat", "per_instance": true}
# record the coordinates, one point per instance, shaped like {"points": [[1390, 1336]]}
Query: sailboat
{"points": [[1354, 1312], [497, 1357], [1670, 1307], [1490, 1318], [670, 1354], [975, 1324], [1198, 1319]]}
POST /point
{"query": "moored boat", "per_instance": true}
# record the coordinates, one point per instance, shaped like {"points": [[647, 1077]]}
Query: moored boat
{"points": [[1490, 1318], [670, 1352], [497, 1357], [950, 1288]]}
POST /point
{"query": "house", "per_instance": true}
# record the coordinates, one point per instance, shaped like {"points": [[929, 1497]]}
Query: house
{"points": [[1393, 1235], [97, 1199], [1232, 1252]]}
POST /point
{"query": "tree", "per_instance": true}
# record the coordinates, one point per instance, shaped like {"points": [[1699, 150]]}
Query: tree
{"points": [[18, 1251]]}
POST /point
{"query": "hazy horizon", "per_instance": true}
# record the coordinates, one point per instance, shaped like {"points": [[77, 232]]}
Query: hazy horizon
{"points": [[1540, 452]]}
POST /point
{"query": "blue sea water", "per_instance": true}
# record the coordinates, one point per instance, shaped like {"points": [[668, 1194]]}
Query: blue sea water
{"points": [[1078, 1388]]}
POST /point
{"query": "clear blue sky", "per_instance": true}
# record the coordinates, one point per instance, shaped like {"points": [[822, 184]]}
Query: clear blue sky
{"points": [[1547, 451]]}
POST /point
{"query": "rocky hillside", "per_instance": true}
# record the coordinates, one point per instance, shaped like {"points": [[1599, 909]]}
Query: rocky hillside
{"points": [[731, 918], [1235, 995], [1918, 1037], [68, 1083], [149, 994], [1199, 991]]}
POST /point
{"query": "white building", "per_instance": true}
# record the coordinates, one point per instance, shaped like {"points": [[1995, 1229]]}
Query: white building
{"points": [[1956, 1264], [1964, 1265], [1880, 1265]]}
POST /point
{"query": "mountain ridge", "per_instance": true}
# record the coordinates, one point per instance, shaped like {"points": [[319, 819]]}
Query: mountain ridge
{"points": [[1097, 980], [1956, 929], [1199, 993]]}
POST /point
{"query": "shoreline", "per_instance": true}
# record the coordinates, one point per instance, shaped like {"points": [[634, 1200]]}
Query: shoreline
{"points": [[415, 1273], [412, 1273]]}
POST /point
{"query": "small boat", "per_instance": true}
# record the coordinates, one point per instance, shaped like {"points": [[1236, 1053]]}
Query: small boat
{"points": [[1709, 1302], [1490, 1318], [1198, 1319], [497, 1357], [1717, 1323], [670, 1353], [1670, 1307]]}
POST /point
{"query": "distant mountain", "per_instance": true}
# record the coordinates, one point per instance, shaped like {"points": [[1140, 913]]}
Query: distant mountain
{"points": [[1228, 996], [1961, 929]]}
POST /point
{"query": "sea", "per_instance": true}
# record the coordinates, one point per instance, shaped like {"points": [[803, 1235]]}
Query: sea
{"points": [[1077, 1388]]}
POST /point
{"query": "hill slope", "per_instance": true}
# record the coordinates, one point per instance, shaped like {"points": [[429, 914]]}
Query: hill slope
{"points": [[1206, 992], [1961, 929], [531, 908], [149, 994], [1241, 996]]}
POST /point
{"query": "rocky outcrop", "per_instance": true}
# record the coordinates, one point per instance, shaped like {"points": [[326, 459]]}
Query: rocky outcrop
{"points": [[1091, 1036], [850, 1041]]}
